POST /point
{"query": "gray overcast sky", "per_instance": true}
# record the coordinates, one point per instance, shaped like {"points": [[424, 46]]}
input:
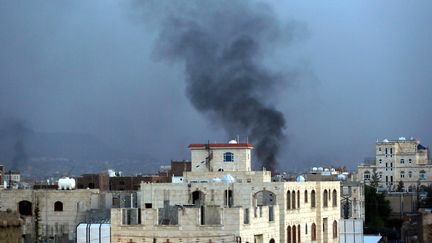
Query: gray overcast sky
{"points": [[89, 66]]}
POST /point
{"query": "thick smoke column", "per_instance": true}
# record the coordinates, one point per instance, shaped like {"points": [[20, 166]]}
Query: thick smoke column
{"points": [[222, 45]]}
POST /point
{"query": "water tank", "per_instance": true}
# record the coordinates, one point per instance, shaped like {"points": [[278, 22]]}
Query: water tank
{"points": [[314, 169], [386, 140], [320, 169], [66, 183], [228, 179], [300, 178], [341, 177], [402, 138], [232, 142]]}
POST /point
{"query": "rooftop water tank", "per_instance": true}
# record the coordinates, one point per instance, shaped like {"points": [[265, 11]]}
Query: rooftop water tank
{"points": [[341, 177], [314, 169], [66, 183], [320, 169], [300, 178], [228, 179], [232, 142]]}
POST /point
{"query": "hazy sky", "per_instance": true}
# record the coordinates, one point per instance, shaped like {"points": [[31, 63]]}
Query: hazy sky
{"points": [[364, 71]]}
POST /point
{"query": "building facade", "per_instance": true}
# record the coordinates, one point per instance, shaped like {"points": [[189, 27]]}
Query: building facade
{"points": [[52, 215], [399, 160], [222, 200]]}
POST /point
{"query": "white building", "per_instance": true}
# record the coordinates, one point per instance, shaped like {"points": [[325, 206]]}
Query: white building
{"points": [[223, 200], [399, 160]]}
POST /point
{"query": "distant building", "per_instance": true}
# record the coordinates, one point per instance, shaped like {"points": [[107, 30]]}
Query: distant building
{"points": [[93, 181], [54, 214], [12, 178], [222, 200], [1, 176], [399, 160]]}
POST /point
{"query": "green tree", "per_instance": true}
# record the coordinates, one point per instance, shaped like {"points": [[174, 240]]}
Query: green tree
{"points": [[400, 186], [377, 210], [375, 179]]}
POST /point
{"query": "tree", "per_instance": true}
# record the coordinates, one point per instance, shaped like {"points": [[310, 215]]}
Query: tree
{"points": [[400, 187], [377, 210], [375, 179]]}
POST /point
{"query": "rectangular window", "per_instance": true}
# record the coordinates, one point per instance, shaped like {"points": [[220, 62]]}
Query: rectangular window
{"points": [[402, 161], [391, 150], [246, 216], [271, 215], [131, 216]]}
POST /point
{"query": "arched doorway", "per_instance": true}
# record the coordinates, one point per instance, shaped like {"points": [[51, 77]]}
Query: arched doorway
{"points": [[198, 198], [272, 240]]}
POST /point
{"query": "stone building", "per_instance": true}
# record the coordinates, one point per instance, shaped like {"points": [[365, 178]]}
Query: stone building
{"points": [[52, 215], [399, 160], [10, 226], [222, 200]]}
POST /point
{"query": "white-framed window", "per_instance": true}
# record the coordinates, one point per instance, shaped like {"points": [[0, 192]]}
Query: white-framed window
{"points": [[366, 175], [402, 161], [409, 174], [402, 174], [380, 161], [228, 157]]}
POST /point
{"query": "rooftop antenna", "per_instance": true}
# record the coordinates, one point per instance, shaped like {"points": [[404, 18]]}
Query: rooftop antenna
{"points": [[247, 139], [238, 138]]}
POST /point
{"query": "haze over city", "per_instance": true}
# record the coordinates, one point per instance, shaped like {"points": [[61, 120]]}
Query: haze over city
{"points": [[336, 75]]}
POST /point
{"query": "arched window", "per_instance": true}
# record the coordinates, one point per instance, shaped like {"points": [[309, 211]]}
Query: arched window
{"points": [[298, 233], [402, 174], [298, 199], [294, 234], [293, 199], [289, 234], [272, 240], [306, 196], [58, 206], [228, 198], [198, 198], [313, 234], [313, 198], [228, 157], [334, 199], [334, 229], [25, 208], [366, 175], [325, 199], [306, 229], [422, 175], [288, 200]]}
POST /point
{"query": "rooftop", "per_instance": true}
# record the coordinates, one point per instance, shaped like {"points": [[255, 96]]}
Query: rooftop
{"points": [[220, 145]]}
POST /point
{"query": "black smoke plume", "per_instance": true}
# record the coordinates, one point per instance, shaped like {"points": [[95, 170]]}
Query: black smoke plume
{"points": [[222, 44], [13, 134]]}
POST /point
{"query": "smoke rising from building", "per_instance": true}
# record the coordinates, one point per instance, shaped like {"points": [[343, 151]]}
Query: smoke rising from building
{"points": [[222, 46]]}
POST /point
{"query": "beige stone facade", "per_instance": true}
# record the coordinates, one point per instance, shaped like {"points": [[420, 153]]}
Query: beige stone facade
{"points": [[56, 212], [224, 201], [399, 160]]}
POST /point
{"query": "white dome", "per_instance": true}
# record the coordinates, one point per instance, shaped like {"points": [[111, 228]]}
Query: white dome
{"points": [[228, 179], [232, 142], [300, 178]]}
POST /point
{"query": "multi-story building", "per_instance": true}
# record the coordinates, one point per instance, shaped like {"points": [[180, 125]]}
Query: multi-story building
{"points": [[54, 214], [222, 200], [398, 160]]}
